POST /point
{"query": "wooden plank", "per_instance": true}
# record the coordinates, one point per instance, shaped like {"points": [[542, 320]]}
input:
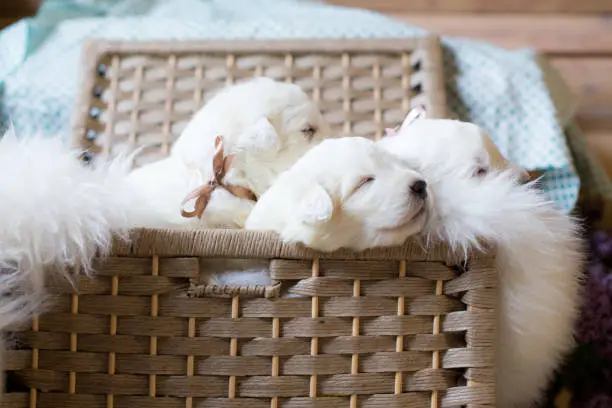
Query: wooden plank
{"points": [[591, 80], [521, 6], [554, 34], [598, 134], [18, 8], [600, 127], [601, 146]]}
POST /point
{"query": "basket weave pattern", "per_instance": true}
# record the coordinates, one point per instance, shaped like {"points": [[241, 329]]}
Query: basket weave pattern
{"points": [[144, 95], [373, 329], [392, 327]]}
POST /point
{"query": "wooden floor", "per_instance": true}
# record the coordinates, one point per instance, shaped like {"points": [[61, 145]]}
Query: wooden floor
{"points": [[575, 34]]}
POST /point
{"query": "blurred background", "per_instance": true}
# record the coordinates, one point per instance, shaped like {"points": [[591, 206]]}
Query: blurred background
{"points": [[576, 35]]}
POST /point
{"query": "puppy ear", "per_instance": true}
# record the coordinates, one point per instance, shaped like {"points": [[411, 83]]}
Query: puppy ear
{"points": [[261, 136], [415, 113], [390, 131], [523, 175], [499, 161], [316, 207]]}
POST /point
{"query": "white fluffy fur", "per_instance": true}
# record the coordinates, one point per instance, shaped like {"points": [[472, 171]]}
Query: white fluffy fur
{"points": [[56, 214], [55, 211], [233, 272], [539, 259], [467, 146], [265, 123], [163, 185], [319, 202]]}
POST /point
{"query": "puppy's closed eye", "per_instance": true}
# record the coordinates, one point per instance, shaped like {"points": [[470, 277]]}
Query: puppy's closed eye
{"points": [[364, 181], [309, 131]]}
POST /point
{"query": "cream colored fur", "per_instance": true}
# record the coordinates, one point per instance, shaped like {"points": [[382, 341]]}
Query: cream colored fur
{"points": [[539, 257], [267, 124], [343, 193]]}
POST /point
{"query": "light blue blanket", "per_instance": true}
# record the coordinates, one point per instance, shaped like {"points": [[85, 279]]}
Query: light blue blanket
{"points": [[506, 92]]}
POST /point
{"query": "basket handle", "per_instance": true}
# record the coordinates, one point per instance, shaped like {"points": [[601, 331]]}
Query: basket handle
{"points": [[211, 290]]}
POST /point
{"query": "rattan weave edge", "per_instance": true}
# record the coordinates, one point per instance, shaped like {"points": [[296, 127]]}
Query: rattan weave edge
{"points": [[262, 244], [95, 48]]}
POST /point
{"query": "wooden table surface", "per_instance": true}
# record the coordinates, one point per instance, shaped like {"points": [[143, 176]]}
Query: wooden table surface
{"points": [[575, 34]]}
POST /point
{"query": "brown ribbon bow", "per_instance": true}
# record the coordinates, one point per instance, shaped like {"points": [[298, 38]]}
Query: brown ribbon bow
{"points": [[221, 164]]}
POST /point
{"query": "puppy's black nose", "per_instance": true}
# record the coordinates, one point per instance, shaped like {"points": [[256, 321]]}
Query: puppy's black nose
{"points": [[419, 188]]}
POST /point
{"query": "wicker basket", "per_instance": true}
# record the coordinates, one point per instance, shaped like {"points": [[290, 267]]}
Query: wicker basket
{"points": [[392, 327]]}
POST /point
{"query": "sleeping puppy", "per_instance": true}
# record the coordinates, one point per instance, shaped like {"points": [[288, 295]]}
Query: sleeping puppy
{"points": [[345, 193], [265, 127], [539, 252], [163, 185], [463, 146]]}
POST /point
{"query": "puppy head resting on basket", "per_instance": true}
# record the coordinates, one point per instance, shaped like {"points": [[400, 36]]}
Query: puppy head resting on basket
{"points": [[460, 146], [265, 127], [345, 193], [458, 159]]}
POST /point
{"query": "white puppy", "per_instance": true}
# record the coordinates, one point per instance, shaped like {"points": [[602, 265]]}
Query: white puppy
{"points": [[539, 253], [266, 126], [463, 146], [345, 193]]}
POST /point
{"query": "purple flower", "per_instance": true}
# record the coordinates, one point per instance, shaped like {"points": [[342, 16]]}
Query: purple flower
{"points": [[595, 322], [599, 236], [587, 373]]}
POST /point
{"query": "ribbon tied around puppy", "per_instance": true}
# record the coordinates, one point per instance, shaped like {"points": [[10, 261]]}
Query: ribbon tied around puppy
{"points": [[221, 164]]}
